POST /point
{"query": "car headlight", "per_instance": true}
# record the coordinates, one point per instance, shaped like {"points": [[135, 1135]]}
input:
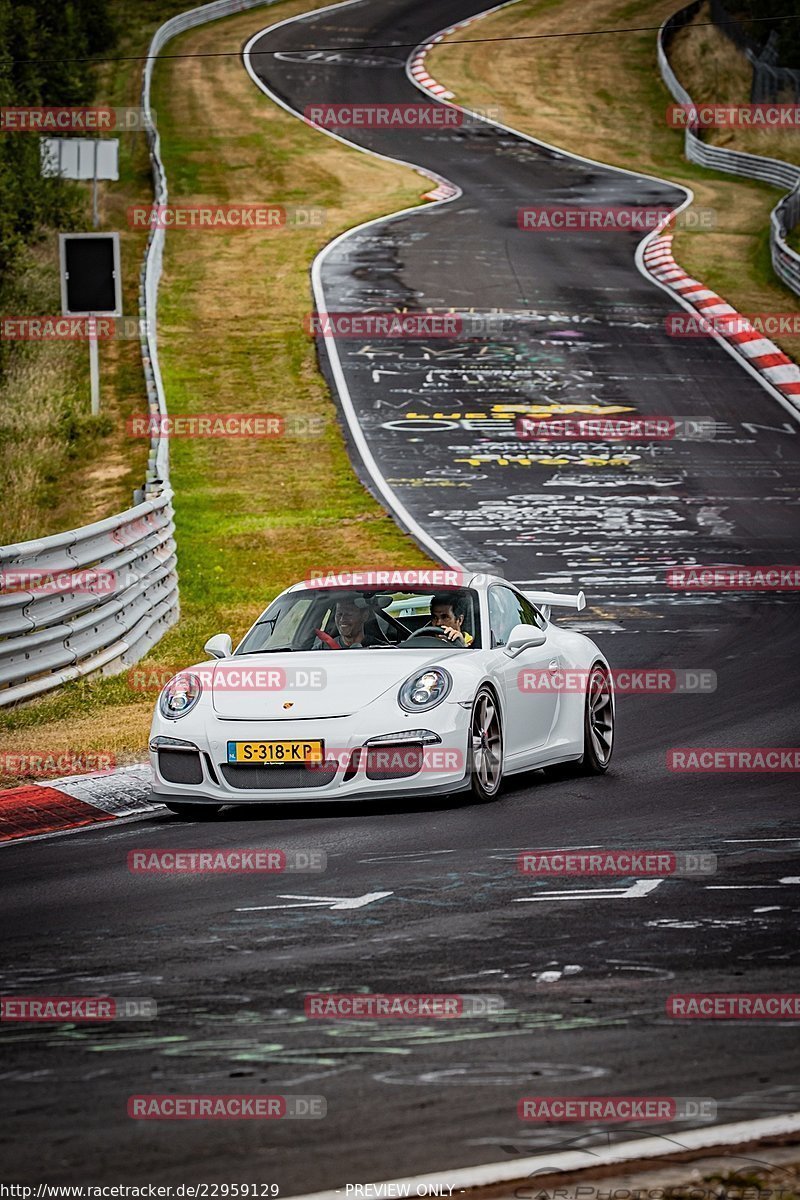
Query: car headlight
{"points": [[180, 696], [425, 690]]}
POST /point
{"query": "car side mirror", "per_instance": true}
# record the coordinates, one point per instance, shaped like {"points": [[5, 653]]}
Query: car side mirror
{"points": [[219, 646], [524, 637]]}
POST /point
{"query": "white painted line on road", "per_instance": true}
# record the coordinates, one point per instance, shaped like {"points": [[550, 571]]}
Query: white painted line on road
{"points": [[520, 1170], [332, 903], [750, 887], [642, 887], [411, 855]]}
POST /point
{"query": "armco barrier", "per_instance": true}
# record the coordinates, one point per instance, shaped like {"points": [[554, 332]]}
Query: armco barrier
{"points": [[785, 262], [48, 638]]}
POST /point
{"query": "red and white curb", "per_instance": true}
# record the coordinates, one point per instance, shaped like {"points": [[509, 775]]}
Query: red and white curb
{"points": [[763, 355], [419, 71], [417, 67], [442, 191], [420, 75], [38, 810]]}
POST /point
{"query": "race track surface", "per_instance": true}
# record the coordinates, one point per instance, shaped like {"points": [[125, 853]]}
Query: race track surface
{"points": [[407, 1097]]}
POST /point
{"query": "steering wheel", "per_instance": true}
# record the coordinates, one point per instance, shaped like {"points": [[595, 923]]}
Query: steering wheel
{"points": [[430, 632]]}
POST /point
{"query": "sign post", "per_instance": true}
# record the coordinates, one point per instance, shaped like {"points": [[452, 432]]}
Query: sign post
{"points": [[94, 367], [90, 287]]}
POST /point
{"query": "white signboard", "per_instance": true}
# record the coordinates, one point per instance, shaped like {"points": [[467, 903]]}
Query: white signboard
{"points": [[80, 158]]}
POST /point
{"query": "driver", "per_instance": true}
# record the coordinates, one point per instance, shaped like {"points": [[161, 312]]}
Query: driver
{"points": [[448, 611]]}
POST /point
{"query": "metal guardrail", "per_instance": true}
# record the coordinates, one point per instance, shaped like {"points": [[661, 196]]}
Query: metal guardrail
{"points": [[785, 215], [50, 635]]}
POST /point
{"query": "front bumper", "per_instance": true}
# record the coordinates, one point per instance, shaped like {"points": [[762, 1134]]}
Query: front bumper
{"points": [[205, 776]]}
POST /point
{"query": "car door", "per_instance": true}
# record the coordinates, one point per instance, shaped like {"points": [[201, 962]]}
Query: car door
{"points": [[529, 679]]}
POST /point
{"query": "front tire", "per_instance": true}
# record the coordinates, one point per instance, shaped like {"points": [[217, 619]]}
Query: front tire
{"points": [[485, 747], [194, 812], [598, 723]]}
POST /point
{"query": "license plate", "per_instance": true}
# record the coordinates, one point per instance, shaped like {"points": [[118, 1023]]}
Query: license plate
{"points": [[275, 753]]}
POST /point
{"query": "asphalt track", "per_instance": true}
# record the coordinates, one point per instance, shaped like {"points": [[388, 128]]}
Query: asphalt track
{"points": [[403, 1097]]}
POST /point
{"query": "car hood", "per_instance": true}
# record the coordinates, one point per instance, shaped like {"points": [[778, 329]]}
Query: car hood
{"points": [[317, 683]]}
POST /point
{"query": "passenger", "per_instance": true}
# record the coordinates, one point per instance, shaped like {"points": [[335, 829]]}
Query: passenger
{"points": [[448, 611]]}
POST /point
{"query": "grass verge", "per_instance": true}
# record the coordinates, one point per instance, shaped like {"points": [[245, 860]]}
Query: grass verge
{"points": [[603, 97], [252, 515]]}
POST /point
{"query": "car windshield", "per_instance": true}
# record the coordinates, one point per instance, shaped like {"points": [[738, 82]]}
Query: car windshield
{"points": [[335, 618]]}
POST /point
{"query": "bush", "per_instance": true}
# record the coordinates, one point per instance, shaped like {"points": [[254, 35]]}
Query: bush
{"points": [[43, 53]]}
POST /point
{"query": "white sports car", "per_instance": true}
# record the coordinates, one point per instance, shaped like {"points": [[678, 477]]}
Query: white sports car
{"points": [[439, 689]]}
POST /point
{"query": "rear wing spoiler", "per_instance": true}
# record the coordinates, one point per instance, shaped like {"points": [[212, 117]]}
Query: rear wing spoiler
{"points": [[548, 600]]}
